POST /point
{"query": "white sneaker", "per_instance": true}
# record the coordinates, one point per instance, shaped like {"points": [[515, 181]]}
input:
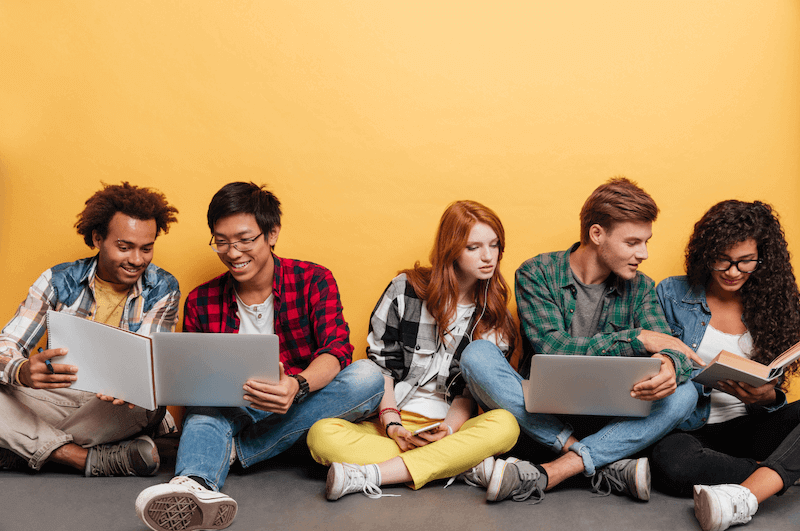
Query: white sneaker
{"points": [[479, 475], [717, 507], [344, 478], [184, 505]]}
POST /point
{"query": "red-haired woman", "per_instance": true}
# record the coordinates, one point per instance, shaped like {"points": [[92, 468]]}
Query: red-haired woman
{"points": [[424, 320]]}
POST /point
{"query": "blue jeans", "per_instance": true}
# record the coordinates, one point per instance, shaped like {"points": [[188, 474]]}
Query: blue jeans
{"points": [[209, 432], [496, 385]]}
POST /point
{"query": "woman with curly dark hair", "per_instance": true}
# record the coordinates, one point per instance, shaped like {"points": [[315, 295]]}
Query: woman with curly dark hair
{"points": [[741, 445]]}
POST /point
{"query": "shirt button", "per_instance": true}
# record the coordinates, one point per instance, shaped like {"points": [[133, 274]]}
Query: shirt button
{"points": [[604, 352], [571, 311], [703, 419], [694, 345], [702, 323], [417, 347], [259, 316]]}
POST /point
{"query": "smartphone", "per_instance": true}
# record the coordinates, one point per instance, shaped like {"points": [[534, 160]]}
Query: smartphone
{"points": [[427, 428]]}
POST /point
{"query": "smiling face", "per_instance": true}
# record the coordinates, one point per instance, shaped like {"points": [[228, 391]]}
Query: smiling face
{"points": [[127, 249], [732, 280], [249, 268], [622, 248], [478, 260]]}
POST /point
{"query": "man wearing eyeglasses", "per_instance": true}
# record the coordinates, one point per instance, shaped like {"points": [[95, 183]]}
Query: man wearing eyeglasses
{"points": [[41, 418], [260, 294]]}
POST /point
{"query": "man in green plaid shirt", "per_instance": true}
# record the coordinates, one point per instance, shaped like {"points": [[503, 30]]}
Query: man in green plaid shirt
{"points": [[589, 300]]}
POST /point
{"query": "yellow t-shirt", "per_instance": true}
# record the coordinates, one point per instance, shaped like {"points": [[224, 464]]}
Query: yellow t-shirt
{"points": [[110, 299]]}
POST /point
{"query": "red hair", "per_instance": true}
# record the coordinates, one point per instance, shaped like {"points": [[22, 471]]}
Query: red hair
{"points": [[438, 285]]}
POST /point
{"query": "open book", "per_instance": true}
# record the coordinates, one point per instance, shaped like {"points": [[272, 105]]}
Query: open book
{"points": [[176, 369], [728, 366]]}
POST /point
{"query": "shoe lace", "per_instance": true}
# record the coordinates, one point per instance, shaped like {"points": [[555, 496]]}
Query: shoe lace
{"points": [[741, 511], [370, 489], [469, 477], [529, 487], [187, 482], [605, 481], [110, 459]]}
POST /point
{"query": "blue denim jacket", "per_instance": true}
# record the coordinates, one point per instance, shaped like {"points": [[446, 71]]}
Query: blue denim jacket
{"points": [[687, 314]]}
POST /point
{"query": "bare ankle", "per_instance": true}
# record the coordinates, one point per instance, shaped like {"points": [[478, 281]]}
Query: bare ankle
{"points": [[70, 454]]}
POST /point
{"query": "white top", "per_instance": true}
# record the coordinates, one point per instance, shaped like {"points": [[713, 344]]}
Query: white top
{"points": [[426, 400], [724, 406], [257, 318]]}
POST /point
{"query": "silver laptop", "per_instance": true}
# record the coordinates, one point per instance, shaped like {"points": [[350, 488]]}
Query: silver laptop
{"points": [[193, 369], [587, 385]]}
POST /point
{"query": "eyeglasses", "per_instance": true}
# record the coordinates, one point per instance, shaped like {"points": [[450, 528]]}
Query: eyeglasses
{"points": [[243, 245], [744, 266]]}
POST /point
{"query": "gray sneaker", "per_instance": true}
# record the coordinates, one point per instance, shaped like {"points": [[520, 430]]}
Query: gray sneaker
{"points": [[626, 476], [135, 457], [515, 479], [11, 461]]}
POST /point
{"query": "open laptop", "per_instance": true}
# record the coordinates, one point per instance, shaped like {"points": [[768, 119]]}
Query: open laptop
{"points": [[587, 385], [193, 369]]}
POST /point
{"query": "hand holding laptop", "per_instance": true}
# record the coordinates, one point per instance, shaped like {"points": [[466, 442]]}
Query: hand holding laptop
{"points": [[659, 386], [273, 397]]}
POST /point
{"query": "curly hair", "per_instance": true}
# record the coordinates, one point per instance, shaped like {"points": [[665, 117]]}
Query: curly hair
{"points": [[134, 201], [770, 296]]}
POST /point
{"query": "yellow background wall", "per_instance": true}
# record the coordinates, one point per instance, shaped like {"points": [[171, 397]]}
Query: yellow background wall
{"points": [[368, 118]]}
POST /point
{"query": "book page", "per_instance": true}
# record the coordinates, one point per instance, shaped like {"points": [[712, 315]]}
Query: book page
{"points": [[110, 361], [787, 357]]}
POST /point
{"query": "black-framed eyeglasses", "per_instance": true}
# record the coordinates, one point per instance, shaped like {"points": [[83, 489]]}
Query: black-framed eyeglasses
{"points": [[243, 245], [744, 266]]}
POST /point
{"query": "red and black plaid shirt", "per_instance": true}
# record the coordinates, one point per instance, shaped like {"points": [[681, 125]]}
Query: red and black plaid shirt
{"points": [[308, 313]]}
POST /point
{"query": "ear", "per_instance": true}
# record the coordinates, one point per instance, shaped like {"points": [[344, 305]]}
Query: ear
{"points": [[272, 238], [596, 234], [96, 239]]}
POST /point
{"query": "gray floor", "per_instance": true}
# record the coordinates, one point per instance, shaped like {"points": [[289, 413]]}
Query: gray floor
{"points": [[287, 494]]}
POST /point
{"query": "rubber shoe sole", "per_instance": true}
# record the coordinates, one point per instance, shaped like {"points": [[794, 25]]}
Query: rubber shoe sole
{"points": [[500, 465], [706, 512], [642, 480], [166, 508]]}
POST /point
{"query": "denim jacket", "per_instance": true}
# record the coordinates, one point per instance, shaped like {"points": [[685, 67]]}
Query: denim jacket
{"points": [[151, 306], [688, 316]]}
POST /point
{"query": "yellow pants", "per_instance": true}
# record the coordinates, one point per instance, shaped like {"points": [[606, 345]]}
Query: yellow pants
{"points": [[340, 441]]}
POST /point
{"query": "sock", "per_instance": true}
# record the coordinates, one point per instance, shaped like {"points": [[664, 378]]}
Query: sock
{"points": [[201, 482], [544, 473]]}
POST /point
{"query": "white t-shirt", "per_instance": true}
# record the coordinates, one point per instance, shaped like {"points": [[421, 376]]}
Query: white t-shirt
{"points": [[257, 318], [425, 400], [724, 406]]}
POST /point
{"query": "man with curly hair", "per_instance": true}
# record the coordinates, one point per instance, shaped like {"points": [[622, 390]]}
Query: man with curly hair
{"points": [[41, 418]]}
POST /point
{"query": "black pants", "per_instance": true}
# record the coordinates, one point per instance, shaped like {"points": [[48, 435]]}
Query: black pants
{"points": [[729, 452]]}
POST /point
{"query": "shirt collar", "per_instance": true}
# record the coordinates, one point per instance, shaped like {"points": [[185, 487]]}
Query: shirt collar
{"points": [[229, 293], [613, 282], [148, 278], [696, 295]]}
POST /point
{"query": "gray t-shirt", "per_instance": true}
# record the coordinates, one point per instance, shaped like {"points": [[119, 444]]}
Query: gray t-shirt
{"points": [[588, 304]]}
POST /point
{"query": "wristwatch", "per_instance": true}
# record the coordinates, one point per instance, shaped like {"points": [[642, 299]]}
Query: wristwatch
{"points": [[302, 393]]}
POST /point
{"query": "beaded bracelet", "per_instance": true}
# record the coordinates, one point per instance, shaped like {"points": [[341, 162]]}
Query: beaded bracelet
{"points": [[384, 410], [392, 424]]}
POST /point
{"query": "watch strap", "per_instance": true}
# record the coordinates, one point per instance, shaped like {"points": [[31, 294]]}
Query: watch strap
{"points": [[303, 391]]}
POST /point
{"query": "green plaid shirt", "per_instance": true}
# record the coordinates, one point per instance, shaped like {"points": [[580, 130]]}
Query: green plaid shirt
{"points": [[545, 293]]}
